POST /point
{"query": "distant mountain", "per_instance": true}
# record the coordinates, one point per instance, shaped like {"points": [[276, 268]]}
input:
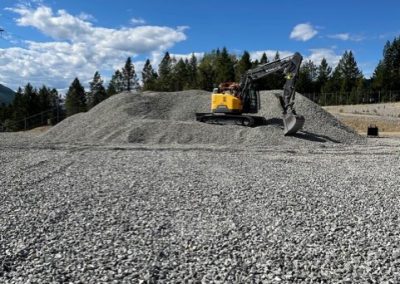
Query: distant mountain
{"points": [[6, 95]]}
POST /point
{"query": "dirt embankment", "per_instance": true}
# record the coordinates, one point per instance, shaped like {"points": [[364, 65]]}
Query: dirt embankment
{"points": [[385, 116]]}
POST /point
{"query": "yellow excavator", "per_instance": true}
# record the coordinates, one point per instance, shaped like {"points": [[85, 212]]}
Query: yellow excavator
{"points": [[232, 102]]}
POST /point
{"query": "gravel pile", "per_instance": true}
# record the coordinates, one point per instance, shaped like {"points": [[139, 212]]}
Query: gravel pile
{"points": [[133, 216], [164, 118]]}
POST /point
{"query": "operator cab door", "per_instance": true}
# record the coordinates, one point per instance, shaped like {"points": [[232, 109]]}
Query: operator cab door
{"points": [[251, 101]]}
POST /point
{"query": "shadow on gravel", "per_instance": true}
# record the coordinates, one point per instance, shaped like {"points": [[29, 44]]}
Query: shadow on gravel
{"points": [[305, 135], [314, 137], [274, 121]]}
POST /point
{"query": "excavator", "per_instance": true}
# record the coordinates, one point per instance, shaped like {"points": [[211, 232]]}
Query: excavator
{"points": [[231, 103]]}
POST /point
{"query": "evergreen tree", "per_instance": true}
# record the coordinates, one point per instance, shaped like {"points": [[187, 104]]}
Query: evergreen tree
{"points": [[324, 73], [97, 91], [75, 100], [149, 77], [307, 78], [263, 83], [206, 72], [32, 100], [224, 67], [276, 80], [192, 72], [349, 72], [130, 80], [165, 73], [180, 75], [116, 84], [45, 98], [345, 79], [243, 65], [387, 74], [264, 58], [19, 110]]}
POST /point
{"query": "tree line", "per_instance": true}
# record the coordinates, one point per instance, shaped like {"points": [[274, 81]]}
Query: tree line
{"points": [[340, 85], [29, 101]]}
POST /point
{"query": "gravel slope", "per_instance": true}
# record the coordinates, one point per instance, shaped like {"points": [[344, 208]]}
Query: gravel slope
{"points": [[165, 118], [302, 215]]}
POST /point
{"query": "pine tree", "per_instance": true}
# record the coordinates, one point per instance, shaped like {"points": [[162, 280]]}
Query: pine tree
{"points": [[180, 75], [324, 73], [165, 73], [264, 58], [45, 98], [387, 74], [19, 110], [347, 73], [149, 77], [307, 78], [243, 65], [345, 79], [276, 80], [224, 67], [75, 100], [116, 84], [192, 72], [32, 100], [130, 79], [97, 91], [264, 83], [206, 72]]}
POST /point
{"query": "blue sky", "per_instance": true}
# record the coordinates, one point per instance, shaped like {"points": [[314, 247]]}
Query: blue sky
{"points": [[51, 42]]}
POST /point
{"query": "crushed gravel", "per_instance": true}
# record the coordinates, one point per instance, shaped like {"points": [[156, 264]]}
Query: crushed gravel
{"points": [[165, 118], [126, 215]]}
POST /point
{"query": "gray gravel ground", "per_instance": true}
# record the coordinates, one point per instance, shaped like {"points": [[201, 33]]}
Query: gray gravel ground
{"points": [[326, 213], [165, 118]]}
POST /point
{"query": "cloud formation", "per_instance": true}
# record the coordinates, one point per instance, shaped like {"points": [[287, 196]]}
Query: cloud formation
{"points": [[78, 48], [138, 21], [346, 36], [303, 32]]}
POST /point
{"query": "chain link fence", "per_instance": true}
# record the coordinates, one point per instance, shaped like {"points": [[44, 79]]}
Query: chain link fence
{"points": [[348, 98], [48, 117]]}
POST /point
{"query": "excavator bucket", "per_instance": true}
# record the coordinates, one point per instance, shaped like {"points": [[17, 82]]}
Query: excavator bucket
{"points": [[292, 123]]}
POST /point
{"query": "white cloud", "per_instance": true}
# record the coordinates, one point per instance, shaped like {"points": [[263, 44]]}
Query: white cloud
{"points": [[347, 36], [303, 32], [78, 48], [138, 21], [317, 54], [87, 17], [343, 36]]}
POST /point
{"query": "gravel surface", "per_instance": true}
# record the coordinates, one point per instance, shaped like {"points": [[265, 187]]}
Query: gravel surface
{"points": [[159, 214], [165, 118]]}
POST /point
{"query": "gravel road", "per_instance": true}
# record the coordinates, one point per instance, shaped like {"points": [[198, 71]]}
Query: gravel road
{"points": [[163, 214]]}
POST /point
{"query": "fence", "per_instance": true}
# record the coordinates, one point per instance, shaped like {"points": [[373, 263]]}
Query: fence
{"points": [[346, 98], [48, 117]]}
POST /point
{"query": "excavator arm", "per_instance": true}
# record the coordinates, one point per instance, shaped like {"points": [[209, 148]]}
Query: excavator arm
{"points": [[290, 67]]}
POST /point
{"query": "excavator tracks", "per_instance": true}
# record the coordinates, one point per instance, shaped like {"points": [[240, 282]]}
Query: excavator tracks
{"points": [[230, 119]]}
